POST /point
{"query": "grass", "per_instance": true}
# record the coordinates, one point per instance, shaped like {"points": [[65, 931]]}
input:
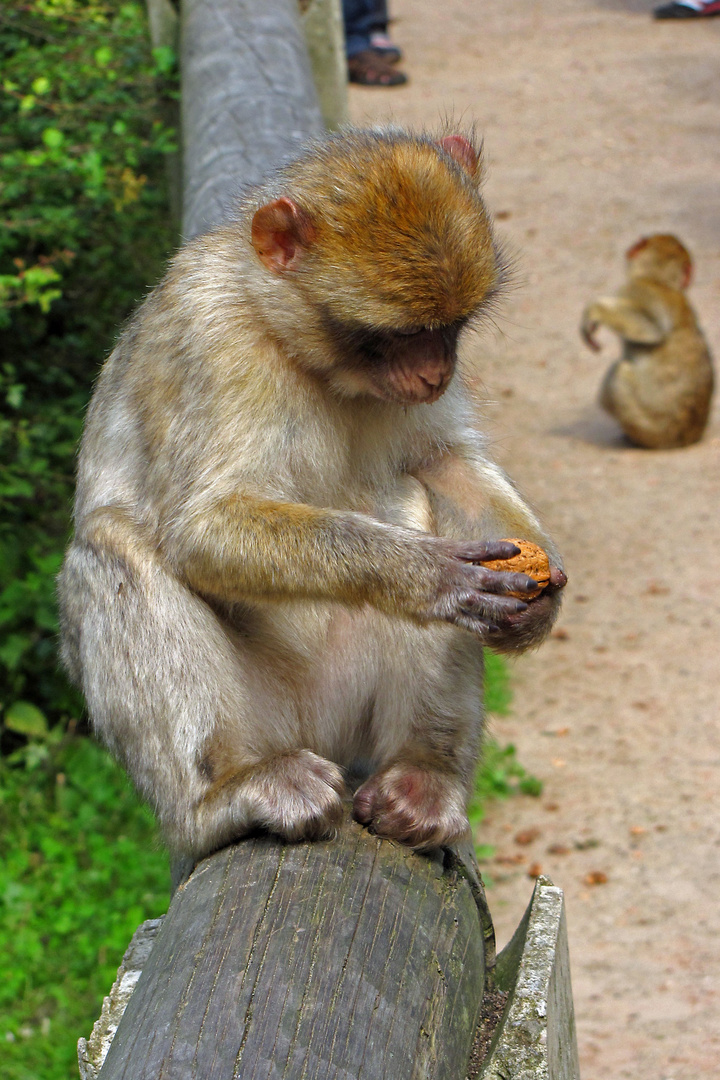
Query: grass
{"points": [[500, 774], [81, 866]]}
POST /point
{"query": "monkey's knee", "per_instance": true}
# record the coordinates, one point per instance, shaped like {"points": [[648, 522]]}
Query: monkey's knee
{"points": [[607, 396], [297, 795]]}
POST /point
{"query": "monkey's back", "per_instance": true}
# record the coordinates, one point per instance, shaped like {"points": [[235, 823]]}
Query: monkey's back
{"points": [[661, 394]]}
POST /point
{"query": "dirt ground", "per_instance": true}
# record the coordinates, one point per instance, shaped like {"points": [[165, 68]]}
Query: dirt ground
{"points": [[600, 125]]}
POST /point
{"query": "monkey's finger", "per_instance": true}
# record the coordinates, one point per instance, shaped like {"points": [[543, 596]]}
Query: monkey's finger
{"points": [[588, 334], [489, 606], [466, 607], [558, 578], [485, 552], [480, 627], [502, 581]]}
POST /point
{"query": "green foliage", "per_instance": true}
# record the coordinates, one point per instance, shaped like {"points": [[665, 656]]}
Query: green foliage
{"points": [[499, 774], [80, 868], [84, 230], [498, 694]]}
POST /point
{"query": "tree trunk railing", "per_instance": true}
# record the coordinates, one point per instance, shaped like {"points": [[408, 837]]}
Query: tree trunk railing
{"points": [[352, 959]]}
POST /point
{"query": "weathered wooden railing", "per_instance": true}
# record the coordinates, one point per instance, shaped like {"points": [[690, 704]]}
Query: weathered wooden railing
{"points": [[352, 958]]}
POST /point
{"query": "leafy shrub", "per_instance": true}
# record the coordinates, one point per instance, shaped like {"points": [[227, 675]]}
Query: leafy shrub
{"points": [[85, 230], [80, 868], [499, 773]]}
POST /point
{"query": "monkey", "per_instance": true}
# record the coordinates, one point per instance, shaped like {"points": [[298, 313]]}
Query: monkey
{"points": [[283, 503], [661, 388]]}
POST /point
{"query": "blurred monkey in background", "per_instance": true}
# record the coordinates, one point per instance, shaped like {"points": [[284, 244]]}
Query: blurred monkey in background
{"points": [[660, 389], [283, 502]]}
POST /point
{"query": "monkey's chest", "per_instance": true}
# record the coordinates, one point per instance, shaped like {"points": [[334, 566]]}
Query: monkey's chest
{"points": [[401, 500]]}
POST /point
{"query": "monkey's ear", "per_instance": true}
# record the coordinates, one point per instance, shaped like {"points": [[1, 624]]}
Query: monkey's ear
{"points": [[637, 247], [461, 150], [281, 234]]}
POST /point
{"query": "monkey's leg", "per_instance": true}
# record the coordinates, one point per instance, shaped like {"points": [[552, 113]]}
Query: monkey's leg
{"points": [[616, 396], [427, 724], [206, 733], [606, 397], [627, 395]]}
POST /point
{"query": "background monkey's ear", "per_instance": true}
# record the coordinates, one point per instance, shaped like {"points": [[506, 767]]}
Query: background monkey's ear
{"points": [[636, 248], [461, 150], [281, 234]]}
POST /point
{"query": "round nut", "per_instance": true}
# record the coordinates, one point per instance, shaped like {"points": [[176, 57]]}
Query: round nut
{"points": [[532, 561]]}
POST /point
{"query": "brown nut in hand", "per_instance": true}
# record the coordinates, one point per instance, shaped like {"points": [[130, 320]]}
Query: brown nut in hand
{"points": [[532, 561]]}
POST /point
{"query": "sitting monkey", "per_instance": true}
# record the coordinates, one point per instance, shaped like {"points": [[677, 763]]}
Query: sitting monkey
{"points": [[660, 389], [283, 502]]}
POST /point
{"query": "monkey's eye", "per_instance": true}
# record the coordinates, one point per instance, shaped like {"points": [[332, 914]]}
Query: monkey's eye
{"points": [[412, 332]]}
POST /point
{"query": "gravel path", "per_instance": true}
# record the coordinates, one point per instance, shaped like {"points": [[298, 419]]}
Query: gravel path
{"points": [[600, 125]]}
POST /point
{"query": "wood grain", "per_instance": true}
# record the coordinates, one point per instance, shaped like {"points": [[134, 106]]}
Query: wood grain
{"points": [[354, 958], [248, 100]]}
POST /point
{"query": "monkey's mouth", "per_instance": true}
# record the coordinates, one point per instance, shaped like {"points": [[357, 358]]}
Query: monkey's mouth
{"points": [[407, 387]]}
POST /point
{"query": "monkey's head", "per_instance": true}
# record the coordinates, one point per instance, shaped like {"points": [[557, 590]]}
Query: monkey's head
{"points": [[386, 239], [662, 258]]}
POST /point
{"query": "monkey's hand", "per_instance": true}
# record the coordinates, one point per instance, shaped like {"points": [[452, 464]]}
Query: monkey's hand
{"points": [[588, 328], [475, 597], [527, 628]]}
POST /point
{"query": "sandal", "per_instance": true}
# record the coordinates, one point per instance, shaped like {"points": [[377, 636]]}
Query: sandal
{"points": [[382, 44], [370, 68]]}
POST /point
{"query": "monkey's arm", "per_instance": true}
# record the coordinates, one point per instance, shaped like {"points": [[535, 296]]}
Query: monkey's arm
{"points": [[249, 547], [626, 317], [470, 496]]}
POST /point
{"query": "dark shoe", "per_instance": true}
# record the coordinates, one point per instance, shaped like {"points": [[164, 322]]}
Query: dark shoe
{"points": [[382, 44], [682, 11], [369, 68]]}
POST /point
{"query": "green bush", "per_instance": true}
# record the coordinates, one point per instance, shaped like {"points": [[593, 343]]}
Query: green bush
{"points": [[499, 774], [80, 868], [85, 230]]}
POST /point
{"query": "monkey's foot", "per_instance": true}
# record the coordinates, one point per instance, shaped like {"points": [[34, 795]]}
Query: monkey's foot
{"points": [[417, 806], [297, 796]]}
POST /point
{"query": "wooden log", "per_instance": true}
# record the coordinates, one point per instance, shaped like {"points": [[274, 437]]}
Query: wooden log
{"points": [[248, 99], [526, 1029], [322, 24], [93, 1051], [354, 958]]}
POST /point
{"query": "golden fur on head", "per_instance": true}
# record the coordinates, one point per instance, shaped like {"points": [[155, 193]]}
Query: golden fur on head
{"points": [[403, 237], [662, 258]]}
